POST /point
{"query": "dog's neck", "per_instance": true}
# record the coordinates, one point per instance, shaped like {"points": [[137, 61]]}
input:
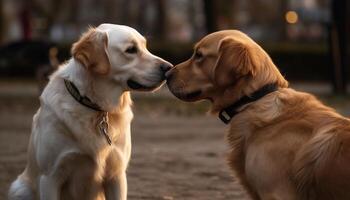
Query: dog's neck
{"points": [[227, 113], [268, 73], [98, 89], [77, 116]]}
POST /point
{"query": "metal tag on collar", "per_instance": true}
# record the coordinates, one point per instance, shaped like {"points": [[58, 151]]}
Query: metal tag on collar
{"points": [[224, 116], [103, 126]]}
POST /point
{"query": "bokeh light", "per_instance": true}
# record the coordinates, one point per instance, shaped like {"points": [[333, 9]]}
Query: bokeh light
{"points": [[291, 17]]}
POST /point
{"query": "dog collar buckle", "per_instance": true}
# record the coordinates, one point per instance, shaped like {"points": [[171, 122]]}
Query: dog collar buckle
{"points": [[224, 116], [103, 127], [229, 112]]}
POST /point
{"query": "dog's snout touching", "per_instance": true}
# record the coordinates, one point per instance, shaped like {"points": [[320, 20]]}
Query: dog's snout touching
{"points": [[164, 67], [169, 75]]}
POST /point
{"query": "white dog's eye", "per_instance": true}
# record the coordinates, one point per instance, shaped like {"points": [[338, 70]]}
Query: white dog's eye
{"points": [[131, 50]]}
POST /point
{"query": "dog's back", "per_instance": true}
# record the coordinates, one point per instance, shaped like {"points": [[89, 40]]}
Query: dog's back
{"points": [[293, 147]]}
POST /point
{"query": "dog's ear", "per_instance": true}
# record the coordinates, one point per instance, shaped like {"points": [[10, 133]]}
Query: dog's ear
{"points": [[236, 59], [91, 51]]}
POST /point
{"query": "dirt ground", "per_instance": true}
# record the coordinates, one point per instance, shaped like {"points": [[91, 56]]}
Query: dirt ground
{"points": [[178, 152]]}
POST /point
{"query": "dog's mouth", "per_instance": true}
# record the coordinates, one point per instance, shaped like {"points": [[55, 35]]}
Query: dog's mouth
{"points": [[190, 96], [138, 86], [193, 95]]}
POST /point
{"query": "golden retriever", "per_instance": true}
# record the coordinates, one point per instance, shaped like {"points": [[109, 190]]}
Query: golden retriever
{"points": [[80, 143], [285, 144]]}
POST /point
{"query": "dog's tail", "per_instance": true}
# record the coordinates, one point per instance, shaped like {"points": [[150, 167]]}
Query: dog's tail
{"points": [[20, 190]]}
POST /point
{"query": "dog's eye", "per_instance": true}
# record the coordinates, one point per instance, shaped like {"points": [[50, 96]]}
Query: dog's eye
{"points": [[131, 50], [198, 55]]}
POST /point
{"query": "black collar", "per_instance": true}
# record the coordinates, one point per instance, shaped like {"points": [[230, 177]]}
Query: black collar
{"points": [[83, 100], [229, 112]]}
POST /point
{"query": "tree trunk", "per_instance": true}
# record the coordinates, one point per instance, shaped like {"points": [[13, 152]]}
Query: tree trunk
{"points": [[161, 19], [50, 14], [210, 10], [2, 22], [282, 21], [340, 44]]}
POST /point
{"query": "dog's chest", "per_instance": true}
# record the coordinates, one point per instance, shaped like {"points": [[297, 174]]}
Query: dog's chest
{"points": [[107, 161], [114, 158], [115, 163], [268, 161]]}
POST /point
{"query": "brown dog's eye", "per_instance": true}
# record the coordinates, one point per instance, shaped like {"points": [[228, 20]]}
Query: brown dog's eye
{"points": [[131, 50], [198, 55]]}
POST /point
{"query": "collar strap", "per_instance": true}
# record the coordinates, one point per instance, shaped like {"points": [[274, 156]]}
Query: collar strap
{"points": [[229, 112], [83, 100]]}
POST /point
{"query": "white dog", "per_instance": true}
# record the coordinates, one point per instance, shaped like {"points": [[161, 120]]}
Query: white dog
{"points": [[80, 142]]}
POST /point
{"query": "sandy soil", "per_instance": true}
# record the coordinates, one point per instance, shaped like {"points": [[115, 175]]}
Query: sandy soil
{"points": [[176, 154]]}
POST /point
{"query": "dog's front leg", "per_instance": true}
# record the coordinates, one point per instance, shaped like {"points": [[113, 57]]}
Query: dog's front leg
{"points": [[49, 188], [116, 188]]}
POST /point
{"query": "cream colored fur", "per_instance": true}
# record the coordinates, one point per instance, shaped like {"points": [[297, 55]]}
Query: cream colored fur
{"points": [[68, 158]]}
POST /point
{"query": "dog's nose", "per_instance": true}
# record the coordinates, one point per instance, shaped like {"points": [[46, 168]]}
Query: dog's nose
{"points": [[165, 67], [169, 75]]}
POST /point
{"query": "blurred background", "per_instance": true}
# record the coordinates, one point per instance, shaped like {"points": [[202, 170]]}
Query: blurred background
{"points": [[307, 39]]}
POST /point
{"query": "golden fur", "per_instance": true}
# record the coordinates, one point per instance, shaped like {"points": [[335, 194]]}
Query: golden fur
{"points": [[90, 50], [287, 145]]}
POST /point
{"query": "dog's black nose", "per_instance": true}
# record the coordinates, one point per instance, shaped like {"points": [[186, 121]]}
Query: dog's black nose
{"points": [[165, 67], [169, 75]]}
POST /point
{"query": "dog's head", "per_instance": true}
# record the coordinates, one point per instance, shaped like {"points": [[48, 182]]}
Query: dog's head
{"points": [[224, 66], [120, 53]]}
